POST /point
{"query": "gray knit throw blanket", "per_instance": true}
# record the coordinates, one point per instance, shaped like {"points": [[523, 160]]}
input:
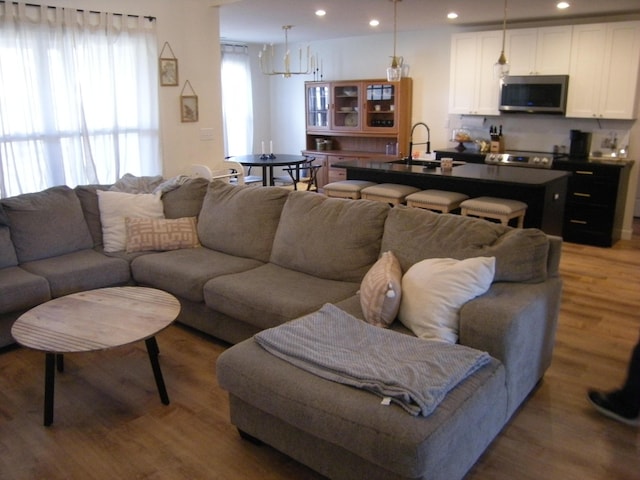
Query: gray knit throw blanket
{"points": [[414, 373]]}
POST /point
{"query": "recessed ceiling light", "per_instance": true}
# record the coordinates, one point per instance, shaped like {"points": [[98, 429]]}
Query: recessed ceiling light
{"points": [[452, 15], [321, 13], [563, 5], [374, 22]]}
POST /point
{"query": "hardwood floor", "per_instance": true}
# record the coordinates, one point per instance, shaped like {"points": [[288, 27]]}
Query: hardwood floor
{"points": [[109, 422]]}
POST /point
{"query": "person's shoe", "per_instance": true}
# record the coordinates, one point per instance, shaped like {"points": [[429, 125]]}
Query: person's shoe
{"points": [[608, 405]]}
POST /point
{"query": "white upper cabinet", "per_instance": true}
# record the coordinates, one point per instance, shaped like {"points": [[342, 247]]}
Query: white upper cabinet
{"points": [[539, 51], [473, 88], [603, 75]]}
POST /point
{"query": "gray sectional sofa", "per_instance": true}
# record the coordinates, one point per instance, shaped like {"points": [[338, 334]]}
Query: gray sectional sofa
{"points": [[268, 256]]}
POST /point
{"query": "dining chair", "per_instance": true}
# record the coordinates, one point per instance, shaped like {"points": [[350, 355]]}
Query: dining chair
{"points": [[308, 172]]}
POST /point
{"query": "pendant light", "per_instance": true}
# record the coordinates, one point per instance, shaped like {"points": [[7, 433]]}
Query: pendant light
{"points": [[394, 72], [501, 67], [266, 59]]}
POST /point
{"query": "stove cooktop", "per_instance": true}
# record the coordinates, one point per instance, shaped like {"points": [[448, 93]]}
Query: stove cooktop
{"points": [[522, 159]]}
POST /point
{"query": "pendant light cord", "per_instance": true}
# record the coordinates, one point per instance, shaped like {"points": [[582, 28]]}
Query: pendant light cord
{"points": [[504, 25], [395, 21]]}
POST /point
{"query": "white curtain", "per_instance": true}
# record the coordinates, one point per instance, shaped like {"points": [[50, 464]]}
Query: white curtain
{"points": [[237, 103], [79, 97]]}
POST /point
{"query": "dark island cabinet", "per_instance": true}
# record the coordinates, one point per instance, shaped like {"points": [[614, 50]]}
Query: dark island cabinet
{"points": [[595, 202]]}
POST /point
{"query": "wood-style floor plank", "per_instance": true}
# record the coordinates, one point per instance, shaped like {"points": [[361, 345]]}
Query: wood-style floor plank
{"points": [[109, 422]]}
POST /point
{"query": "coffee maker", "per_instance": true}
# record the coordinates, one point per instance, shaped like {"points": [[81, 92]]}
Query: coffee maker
{"points": [[580, 144]]}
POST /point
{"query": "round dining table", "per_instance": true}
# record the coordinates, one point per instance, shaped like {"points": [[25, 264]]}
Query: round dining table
{"points": [[267, 162]]}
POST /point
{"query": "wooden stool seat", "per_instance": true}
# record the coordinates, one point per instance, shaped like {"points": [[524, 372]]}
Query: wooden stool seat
{"points": [[497, 208], [346, 188], [439, 200], [391, 193]]}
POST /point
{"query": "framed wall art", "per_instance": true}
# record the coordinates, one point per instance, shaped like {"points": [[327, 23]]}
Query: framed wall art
{"points": [[168, 68], [188, 105]]}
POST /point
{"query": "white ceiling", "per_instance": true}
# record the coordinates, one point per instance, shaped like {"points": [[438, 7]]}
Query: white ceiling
{"points": [[261, 21]]}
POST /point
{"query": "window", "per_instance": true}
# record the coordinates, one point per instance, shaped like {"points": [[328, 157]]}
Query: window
{"points": [[79, 98], [237, 106]]}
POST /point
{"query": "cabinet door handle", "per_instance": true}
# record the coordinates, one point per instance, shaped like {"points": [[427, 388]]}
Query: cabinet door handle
{"points": [[584, 172], [579, 222], [578, 194]]}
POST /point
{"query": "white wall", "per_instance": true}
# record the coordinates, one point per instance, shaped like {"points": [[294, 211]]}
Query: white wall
{"points": [[427, 55], [192, 29]]}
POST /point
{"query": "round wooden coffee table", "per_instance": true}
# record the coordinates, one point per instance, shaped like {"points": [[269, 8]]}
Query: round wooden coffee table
{"points": [[96, 320]]}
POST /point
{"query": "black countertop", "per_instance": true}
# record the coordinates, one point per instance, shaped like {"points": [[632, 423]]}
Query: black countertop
{"points": [[468, 171]]}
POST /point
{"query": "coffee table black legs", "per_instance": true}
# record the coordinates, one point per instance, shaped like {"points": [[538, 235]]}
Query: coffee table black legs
{"points": [[55, 361], [49, 384], [152, 349]]}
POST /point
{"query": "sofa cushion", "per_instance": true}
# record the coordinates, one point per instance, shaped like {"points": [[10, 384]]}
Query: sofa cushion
{"points": [[271, 295], [240, 220], [160, 234], [185, 200], [435, 289], [332, 238], [20, 290], [47, 224], [91, 209], [129, 183], [115, 206], [381, 291], [415, 234], [184, 272], [8, 256], [78, 271]]}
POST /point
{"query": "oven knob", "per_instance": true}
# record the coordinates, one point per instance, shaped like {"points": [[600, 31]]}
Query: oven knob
{"points": [[536, 160], [545, 160]]}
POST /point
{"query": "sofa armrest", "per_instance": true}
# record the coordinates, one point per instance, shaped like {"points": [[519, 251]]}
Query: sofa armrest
{"points": [[553, 258], [516, 324]]}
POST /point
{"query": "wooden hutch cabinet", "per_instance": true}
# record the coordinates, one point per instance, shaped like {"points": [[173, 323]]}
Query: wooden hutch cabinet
{"points": [[356, 119]]}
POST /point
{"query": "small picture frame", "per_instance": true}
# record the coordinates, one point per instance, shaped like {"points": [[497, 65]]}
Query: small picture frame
{"points": [[168, 72], [189, 108]]}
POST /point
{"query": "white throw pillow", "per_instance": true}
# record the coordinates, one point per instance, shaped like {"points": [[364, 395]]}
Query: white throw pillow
{"points": [[115, 206], [434, 290]]}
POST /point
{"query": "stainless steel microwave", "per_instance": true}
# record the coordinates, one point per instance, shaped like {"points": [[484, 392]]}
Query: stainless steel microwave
{"points": [[534, 94]]}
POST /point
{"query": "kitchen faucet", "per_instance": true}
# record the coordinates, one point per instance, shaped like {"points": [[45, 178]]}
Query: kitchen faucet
{"points": [[411, 144]]}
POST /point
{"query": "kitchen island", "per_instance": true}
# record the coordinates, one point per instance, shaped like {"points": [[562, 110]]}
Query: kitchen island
{"points": [[543, 191]]}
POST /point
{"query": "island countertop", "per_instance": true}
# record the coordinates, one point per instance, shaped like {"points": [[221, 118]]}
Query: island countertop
{"points": [[543, 190], [469, 171]]}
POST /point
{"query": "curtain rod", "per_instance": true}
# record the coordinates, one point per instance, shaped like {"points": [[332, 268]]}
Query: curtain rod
{"points": [[148, 17]]}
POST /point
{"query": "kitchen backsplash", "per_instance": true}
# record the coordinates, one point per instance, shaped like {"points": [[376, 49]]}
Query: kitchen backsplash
{"points": [[541, 133]]}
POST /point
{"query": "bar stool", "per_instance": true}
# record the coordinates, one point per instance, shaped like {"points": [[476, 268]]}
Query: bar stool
{"points": [[439, 200], [391, 193], [497, 208], [346, 188]]}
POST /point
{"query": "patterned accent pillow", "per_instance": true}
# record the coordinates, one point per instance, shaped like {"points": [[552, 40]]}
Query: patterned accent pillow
{"points": [[160, 234], [380, 291]]}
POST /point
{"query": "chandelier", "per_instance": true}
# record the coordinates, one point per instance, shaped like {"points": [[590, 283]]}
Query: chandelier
{"points": [[501, 67], [266, 57], [394, 72]]}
